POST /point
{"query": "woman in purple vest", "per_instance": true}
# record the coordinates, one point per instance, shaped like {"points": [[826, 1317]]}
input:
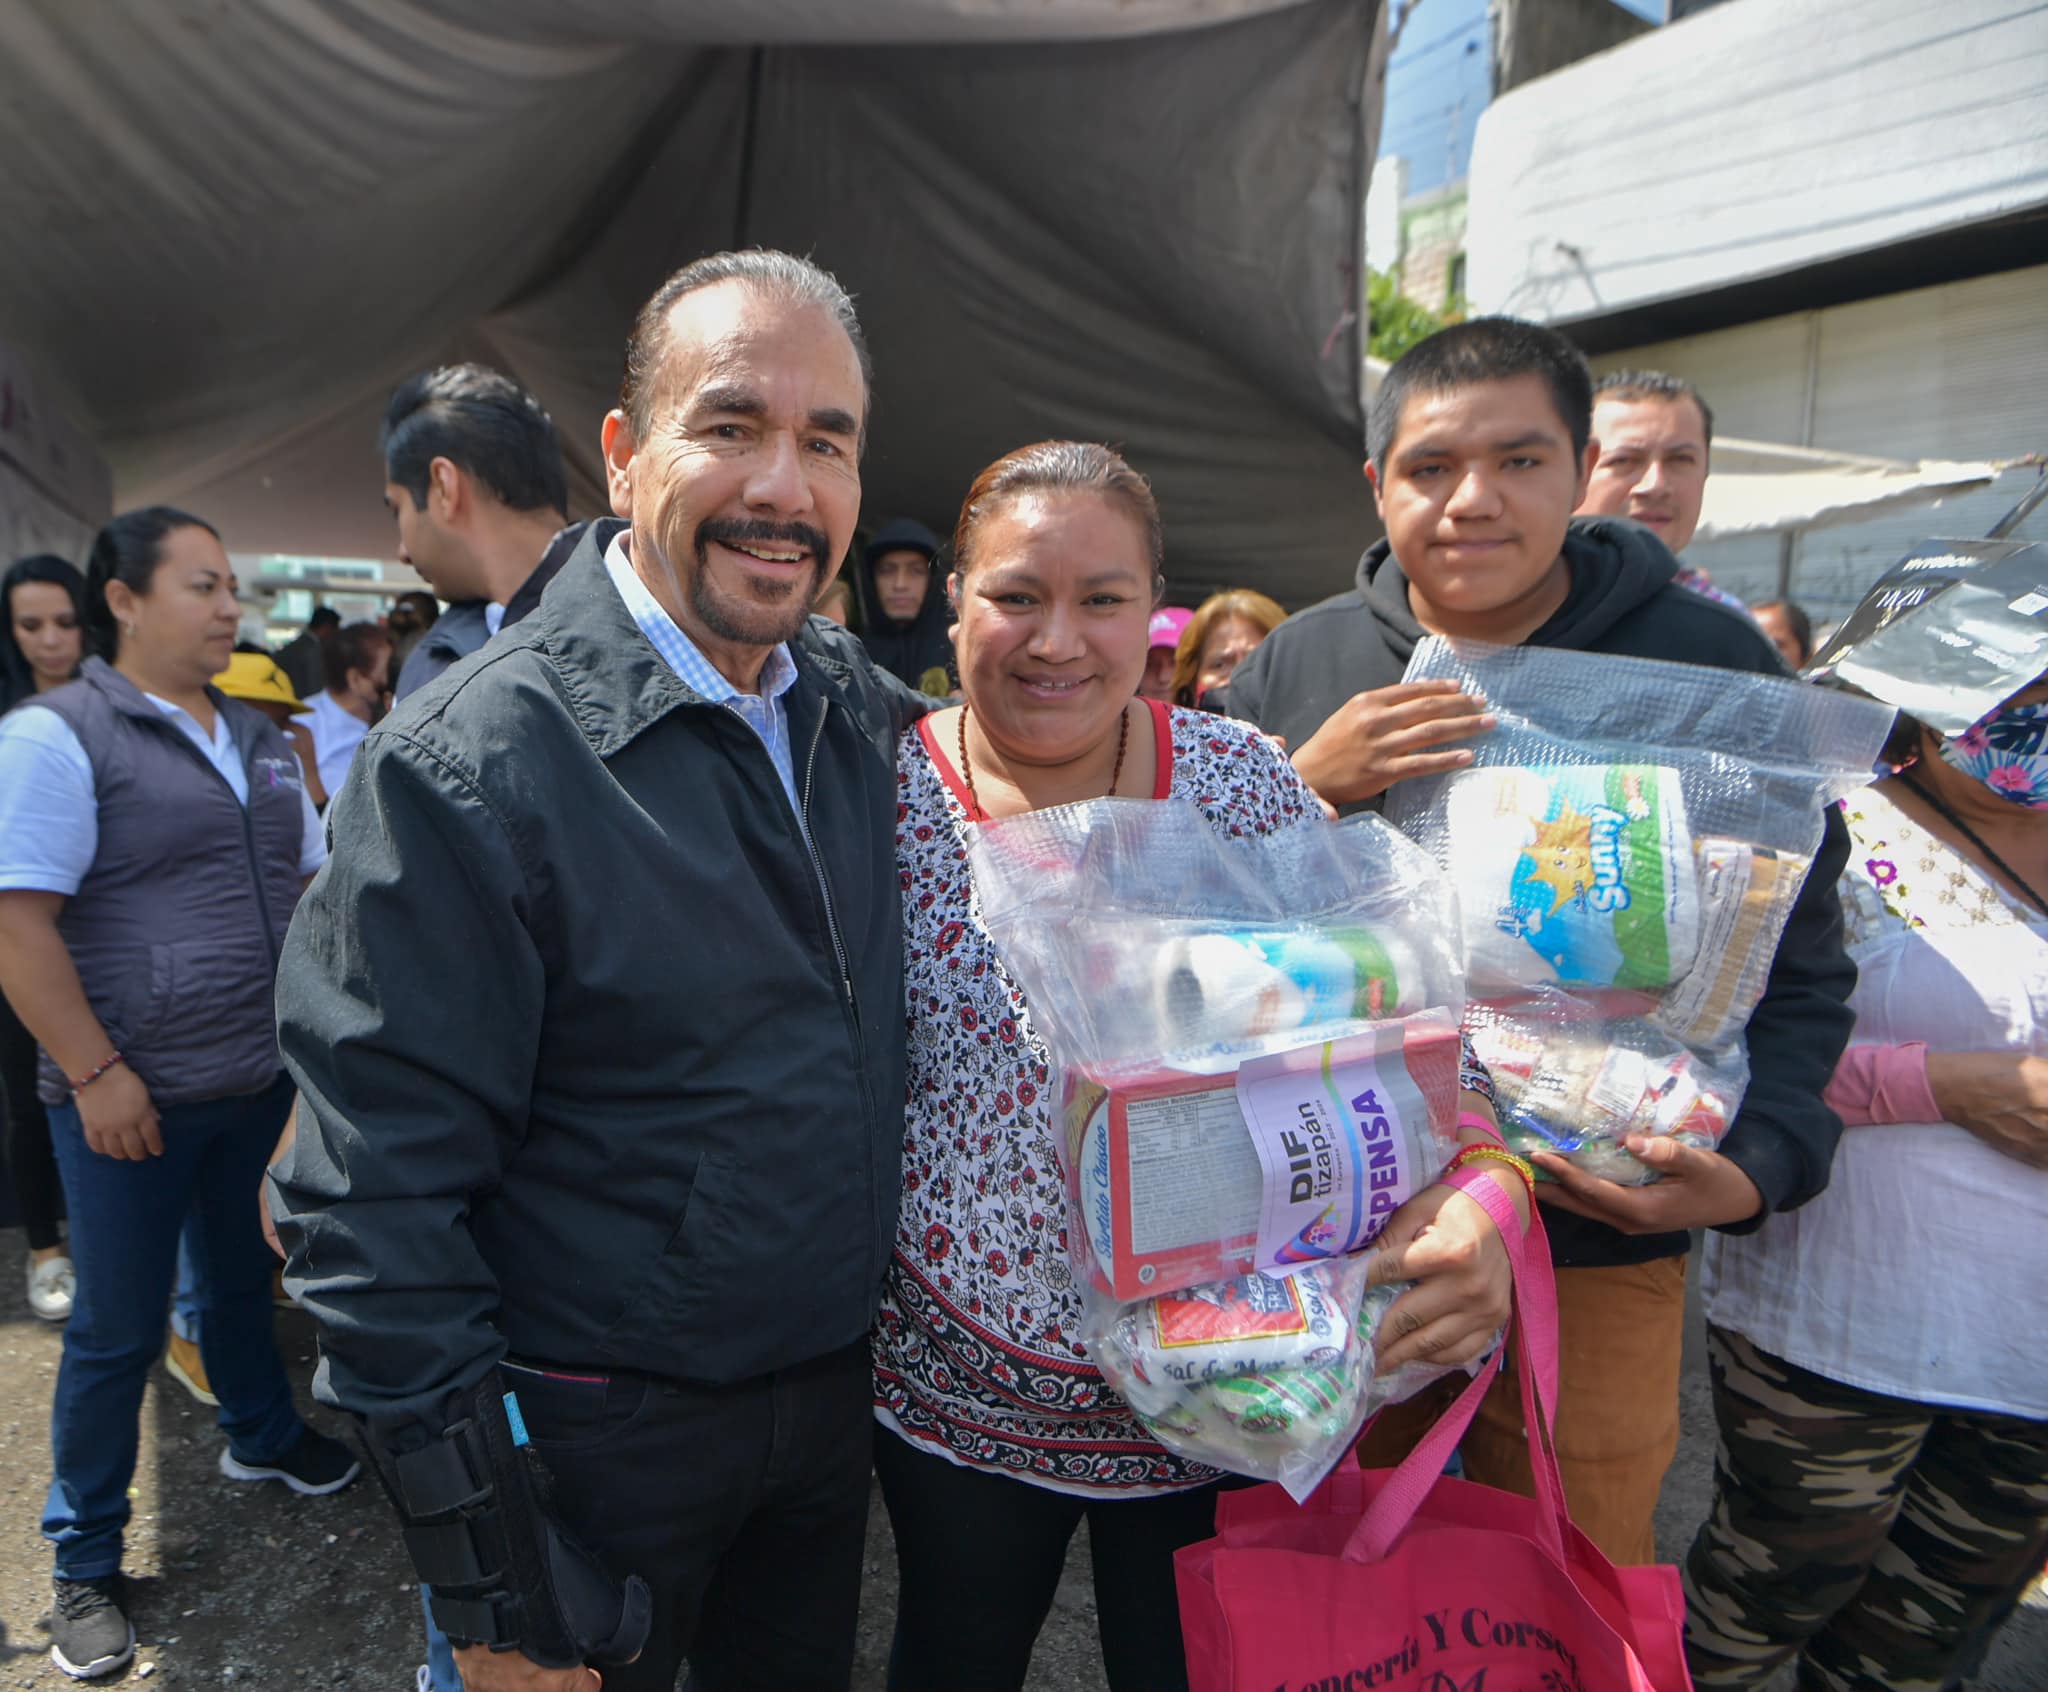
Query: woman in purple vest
{"points": [[154, 837]]}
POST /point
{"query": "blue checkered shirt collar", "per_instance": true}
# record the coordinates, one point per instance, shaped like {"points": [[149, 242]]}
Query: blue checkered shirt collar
{"points": [[764, 712]]}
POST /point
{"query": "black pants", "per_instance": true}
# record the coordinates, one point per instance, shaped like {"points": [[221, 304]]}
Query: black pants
{"points": [[744, 1507], [31, 1165], [979, 1556]]}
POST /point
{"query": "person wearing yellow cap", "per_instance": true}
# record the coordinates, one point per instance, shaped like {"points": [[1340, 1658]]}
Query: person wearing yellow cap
{"points": [[258, 679]]}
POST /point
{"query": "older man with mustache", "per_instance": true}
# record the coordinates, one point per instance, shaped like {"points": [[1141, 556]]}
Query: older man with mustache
{"points": [[598, 1020]]}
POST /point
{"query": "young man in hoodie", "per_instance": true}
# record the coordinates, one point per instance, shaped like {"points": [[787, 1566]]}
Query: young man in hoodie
{"points": [[1481, 449], [904, 617]]}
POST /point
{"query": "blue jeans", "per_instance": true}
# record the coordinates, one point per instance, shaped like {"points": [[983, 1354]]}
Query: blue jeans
{"points": [[442, 1674], [125, 1221], [185, 1296]]}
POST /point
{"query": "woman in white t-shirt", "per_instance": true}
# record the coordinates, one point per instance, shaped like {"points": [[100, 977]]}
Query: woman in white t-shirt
{"points": [[1881, 1493], [997, 1436]]}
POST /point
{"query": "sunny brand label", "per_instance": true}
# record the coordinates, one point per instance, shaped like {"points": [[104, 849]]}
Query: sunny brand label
{"points": [[1588, 868]]}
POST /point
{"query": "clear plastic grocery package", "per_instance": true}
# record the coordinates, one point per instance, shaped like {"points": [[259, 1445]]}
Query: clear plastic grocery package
{"points": [[1631, 836], [1258, 1052], [1257, 1038]]}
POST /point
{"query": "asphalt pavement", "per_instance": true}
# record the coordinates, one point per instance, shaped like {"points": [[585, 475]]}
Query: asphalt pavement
{"points": [[238, 1585]]}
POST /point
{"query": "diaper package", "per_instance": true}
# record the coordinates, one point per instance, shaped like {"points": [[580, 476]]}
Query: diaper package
{"points": [[1626, 849], [1259, 1375], [1257, 1039]]}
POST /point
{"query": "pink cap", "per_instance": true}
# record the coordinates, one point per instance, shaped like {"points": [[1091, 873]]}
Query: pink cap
{"points": [[1167, 623]]}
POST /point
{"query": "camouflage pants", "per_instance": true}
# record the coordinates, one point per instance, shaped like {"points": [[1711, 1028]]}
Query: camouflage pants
{"points": [[1883, 1541]]}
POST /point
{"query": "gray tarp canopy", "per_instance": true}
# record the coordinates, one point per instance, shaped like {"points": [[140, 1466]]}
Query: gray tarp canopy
{"points": [[231, 229]]}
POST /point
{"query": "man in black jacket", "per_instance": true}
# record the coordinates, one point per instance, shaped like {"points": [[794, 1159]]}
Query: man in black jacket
{"points": [[474, 480], [1481, 450], [597, 1015]]}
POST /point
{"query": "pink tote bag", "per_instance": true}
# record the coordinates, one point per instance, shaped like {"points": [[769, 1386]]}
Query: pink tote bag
{"points": [[1400, 1580]]}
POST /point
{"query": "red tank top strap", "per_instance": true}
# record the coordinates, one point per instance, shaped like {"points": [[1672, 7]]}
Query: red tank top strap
{"points": [[1162, 735]]}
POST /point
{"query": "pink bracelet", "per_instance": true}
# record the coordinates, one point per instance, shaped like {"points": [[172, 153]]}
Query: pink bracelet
{"points": [[1472, 1119]]}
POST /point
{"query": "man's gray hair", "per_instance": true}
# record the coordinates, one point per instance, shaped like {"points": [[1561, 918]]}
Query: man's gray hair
{"points": [[1653, 385], [782, 277]]}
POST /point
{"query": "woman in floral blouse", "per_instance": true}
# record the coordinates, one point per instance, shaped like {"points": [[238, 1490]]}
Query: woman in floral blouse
{"points": [[997, 1436], [1882, 1393]]}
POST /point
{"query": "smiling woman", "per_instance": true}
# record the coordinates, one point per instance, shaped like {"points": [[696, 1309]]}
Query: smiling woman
{"points": [[995, 1427], [1057, 565]]}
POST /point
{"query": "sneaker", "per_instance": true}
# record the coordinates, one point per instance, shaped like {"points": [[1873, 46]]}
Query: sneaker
{"points": [[184, 1365], [89, 1631], [51, 1285], [315, 1466]]}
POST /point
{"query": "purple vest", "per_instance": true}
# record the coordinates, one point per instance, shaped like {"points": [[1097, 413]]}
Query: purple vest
{"points": [[176, 928]]}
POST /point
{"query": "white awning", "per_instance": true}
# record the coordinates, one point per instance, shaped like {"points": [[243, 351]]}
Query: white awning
{"points": [[1756, 487]]}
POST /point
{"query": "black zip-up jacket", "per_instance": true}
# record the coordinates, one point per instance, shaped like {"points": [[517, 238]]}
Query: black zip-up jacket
{"points": [[602, 1058], [1623, 600]]}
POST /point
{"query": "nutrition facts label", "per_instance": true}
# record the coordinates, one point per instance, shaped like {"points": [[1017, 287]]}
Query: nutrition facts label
{"points": [[1194, 1173]]}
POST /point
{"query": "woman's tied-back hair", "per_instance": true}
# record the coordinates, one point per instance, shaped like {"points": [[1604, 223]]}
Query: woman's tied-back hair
{"points": [[127, 551], [1049, 467], [1232, 605], [782, 277]]}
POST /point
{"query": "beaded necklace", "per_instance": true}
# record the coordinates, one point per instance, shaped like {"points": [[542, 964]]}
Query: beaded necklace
{"points": [[974, 811]]}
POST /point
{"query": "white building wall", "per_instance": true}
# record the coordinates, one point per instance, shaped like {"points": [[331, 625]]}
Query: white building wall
{"points": [[1756, 138], [1956, 371], [1383, 211]]}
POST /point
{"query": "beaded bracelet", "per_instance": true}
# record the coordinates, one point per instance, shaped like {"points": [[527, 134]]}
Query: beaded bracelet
{"points": [[1495, 1154], [92, 1075]]}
